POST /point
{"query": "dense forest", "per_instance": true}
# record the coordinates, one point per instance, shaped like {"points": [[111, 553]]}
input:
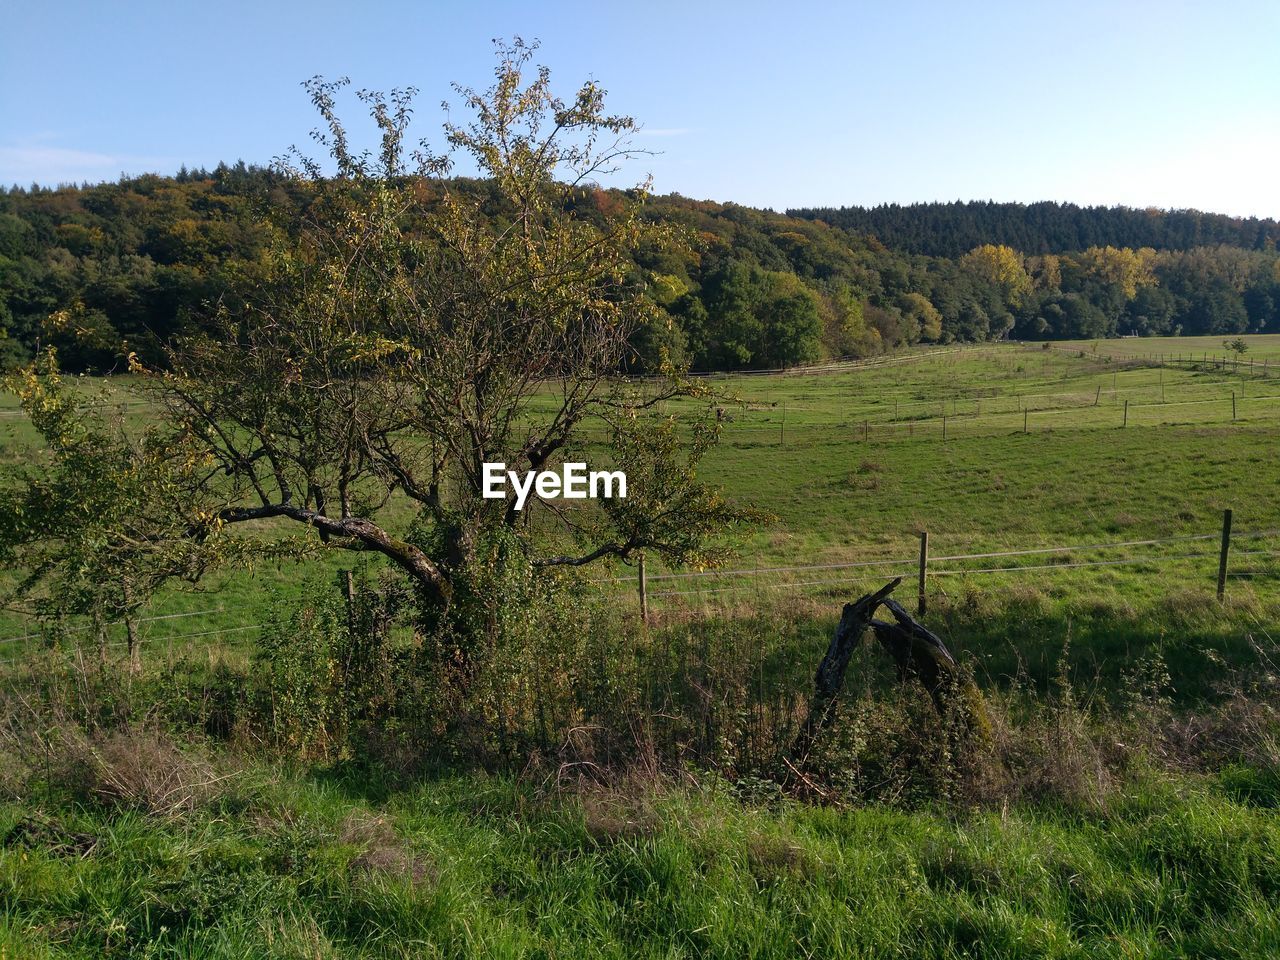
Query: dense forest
{"points": [[953, 229], [102, 270]]}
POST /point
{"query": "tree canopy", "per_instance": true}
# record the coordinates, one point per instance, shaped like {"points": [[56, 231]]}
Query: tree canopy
{"points": [[400, 334], [102, 271]]}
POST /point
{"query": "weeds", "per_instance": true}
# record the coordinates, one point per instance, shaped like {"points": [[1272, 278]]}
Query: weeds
{"points": [[604, 705], [641, 797]]}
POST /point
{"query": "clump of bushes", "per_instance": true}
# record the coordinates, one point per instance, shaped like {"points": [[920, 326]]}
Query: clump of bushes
{"points": [[571, 693]]}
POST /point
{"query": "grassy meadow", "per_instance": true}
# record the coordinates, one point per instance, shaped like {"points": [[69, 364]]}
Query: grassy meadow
{"points": [[852, 464], [1134, 715], [1259, 347]]}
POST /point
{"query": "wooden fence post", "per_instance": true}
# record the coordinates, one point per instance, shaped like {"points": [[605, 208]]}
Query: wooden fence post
{"points": [[643, 584], [924, 568], [782, 430], [1126, 414], [100, 631], [349, 593], [1233, 405], [944, 428], [1222, 557], [135, 652], [1097, 396], [1024, 421], [131, 631]]}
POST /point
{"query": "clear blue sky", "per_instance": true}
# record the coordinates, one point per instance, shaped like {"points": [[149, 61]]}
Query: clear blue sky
{"points": [[1167, 104]]}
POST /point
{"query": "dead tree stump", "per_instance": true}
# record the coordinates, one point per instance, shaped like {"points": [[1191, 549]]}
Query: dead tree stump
{"points": [[829, 680], [919, 654]]}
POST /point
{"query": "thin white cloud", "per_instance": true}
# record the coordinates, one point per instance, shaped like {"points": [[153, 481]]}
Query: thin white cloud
{"points": [[49, 165]]}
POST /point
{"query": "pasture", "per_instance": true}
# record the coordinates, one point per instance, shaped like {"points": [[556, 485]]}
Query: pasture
{"points": [[995, 449], [1074, 556], [1260, 347]]}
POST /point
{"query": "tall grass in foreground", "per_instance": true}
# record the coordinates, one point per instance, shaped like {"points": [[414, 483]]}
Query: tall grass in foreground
{"points": [[599, 790], [314, 864]]}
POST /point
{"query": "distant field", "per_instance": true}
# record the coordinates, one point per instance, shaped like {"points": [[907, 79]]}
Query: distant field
{"points": [[861, 467], [861, 459], [1261, 346], [853, 464]]}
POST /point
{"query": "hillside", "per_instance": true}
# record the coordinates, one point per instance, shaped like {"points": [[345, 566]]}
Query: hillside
{"points": [[952, 229], [102, 270]]}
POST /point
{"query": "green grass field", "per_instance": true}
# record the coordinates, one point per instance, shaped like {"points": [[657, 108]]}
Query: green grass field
{"points": [[1260, 347], [295, 866], [1177, 856], [853, 464]]}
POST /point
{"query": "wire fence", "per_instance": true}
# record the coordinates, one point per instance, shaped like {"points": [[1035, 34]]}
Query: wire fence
{"points": [[1237, 363], [972, 410], [846, 364], [924, 568], [678, 586], [1230, 408]]}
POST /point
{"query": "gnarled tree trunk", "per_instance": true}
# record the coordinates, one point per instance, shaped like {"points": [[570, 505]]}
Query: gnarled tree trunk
{"points": [[919, 654], [829, 680]]}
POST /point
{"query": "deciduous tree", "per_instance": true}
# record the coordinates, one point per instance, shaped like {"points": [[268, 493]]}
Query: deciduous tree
{"points": [[410, 332]]}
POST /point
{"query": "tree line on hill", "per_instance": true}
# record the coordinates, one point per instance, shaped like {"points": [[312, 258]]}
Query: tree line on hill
{"points": [[99, 271], [953, 229]]}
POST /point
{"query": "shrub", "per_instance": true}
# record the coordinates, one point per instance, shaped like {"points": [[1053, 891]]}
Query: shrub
{"points": [[327, 671]]}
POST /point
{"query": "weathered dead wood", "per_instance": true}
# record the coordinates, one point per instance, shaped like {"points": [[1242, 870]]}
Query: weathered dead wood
{"points": [[829, 679], [919, 654], [917, 651]]}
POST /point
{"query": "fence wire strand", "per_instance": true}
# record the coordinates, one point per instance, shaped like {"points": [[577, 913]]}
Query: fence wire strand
{"points": [[903, 568]]}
